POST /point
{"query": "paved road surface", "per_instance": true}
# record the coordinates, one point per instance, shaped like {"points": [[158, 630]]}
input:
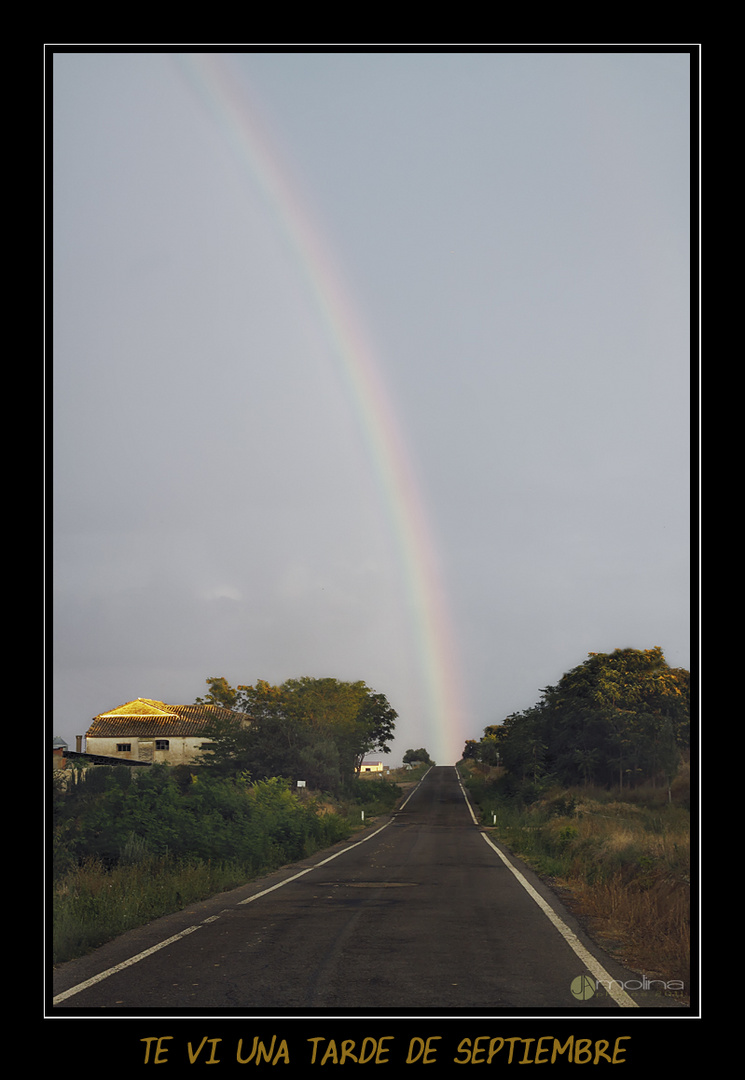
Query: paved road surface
{"points": [[418, 913]]}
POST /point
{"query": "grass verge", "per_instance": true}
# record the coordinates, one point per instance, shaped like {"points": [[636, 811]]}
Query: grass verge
{"points": [[95, 901], [94, 904], [621, 865]]}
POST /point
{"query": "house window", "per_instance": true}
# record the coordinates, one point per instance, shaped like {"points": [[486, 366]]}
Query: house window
{"points": [[161, 744], [123, 747]]}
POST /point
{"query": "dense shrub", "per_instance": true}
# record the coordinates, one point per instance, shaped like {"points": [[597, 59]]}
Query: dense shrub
{"points": [[131, 845], [252, 824]]}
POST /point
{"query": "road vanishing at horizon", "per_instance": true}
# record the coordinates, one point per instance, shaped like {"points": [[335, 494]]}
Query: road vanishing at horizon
{"points": [[422, 912]]}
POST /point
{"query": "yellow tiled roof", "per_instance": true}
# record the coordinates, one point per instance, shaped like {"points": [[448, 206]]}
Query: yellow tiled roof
{"points": [[146, 718], [140, 707]]}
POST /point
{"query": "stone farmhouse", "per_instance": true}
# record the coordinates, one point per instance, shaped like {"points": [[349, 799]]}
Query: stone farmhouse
{"points": [[152, 732]]}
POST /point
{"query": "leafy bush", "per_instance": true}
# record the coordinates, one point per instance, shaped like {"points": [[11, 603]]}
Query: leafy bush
{"points": [[131, 845]]}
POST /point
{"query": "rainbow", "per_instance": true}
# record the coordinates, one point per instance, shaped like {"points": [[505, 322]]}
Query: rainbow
{"points": [[210, 78]]}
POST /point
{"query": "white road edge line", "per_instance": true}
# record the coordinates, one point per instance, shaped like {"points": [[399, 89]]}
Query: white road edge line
{"points": [[250, 899], [125, 964], [617, 992], [330, 858], [190, 929]]}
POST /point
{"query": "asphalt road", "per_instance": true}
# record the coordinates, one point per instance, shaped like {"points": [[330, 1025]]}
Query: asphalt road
{"points": [[419, 913]]}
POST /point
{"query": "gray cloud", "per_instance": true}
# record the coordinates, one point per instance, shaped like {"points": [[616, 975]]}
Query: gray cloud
{"points": [[513, 231]]}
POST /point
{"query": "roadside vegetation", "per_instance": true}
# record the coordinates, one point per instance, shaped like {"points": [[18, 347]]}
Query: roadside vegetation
{"points": [[622, 865], [130, 845], [591, 788]]}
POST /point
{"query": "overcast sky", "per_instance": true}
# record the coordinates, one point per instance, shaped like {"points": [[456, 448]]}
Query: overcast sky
{"points": [[372, 366]]}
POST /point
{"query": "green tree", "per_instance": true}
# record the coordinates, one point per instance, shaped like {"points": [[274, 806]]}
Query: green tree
{"points": [[412, 757], [618, 709], [349, 714], [227, 746], [220, 693], [374, 728], [618, 718], [521, 743], [471, 750], [317, 730]]}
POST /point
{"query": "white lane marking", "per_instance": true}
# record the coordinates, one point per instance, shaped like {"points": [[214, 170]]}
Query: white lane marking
{"points": [[617, 992], [465, 796], [213, 918], [125, 964], [250, 899], [329, 859], [190, 930]]}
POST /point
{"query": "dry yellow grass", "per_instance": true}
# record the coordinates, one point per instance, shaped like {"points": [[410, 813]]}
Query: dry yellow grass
{"points": [[626, 872], [648, 929], [622, 865]]}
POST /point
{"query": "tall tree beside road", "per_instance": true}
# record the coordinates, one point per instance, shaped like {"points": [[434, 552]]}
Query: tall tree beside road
{"points": [[420, 755], [318, 730], [618, 718], [373, 727], [220, 693]]}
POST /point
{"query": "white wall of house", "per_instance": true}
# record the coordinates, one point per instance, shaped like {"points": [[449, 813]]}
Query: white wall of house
{"points": [[172, 751]]}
